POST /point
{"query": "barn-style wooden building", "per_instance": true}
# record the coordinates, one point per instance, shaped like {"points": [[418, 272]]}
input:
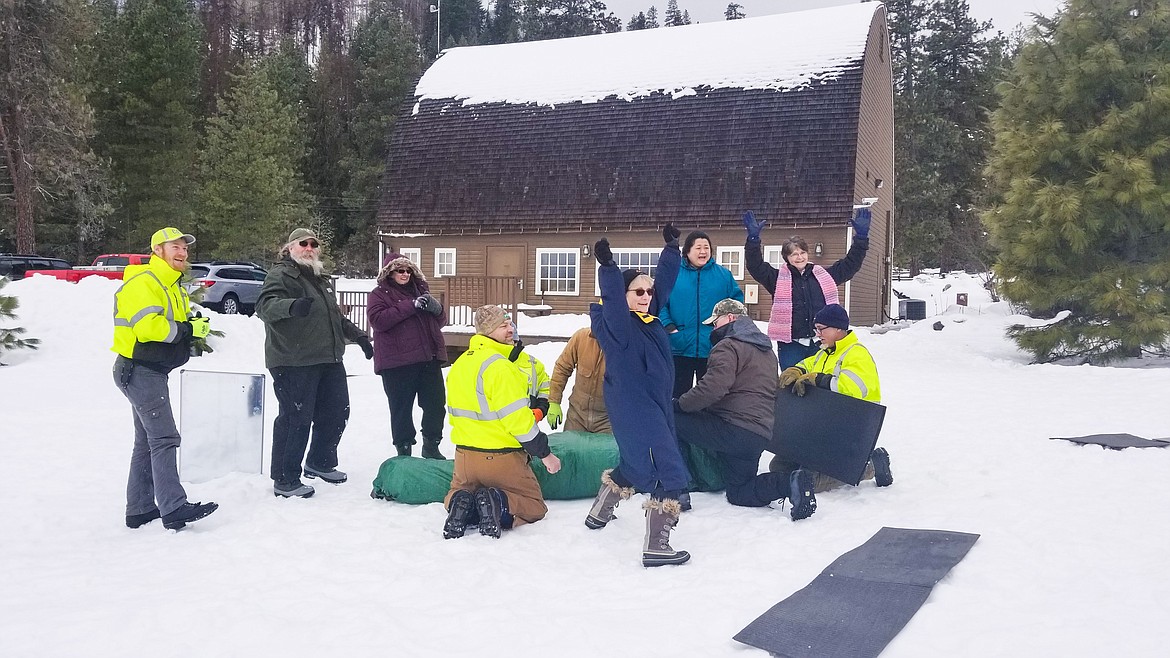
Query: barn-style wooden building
{"points": [[512, 160]]}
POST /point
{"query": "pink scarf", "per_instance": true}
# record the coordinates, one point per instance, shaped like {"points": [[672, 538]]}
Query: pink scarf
{"points": [[780, 324]]}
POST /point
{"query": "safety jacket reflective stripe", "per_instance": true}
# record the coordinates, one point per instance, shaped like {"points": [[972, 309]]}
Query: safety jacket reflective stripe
{"points": [[149, 307], [853, 370], [487, 397]]}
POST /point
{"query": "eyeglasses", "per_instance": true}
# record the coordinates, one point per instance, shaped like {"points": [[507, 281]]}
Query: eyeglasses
{"points": [[642, 291], [401, 271], [310, 243], [819, 328]]}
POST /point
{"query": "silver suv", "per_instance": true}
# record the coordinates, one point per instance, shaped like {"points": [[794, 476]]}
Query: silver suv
{"points": [[229, 286]]}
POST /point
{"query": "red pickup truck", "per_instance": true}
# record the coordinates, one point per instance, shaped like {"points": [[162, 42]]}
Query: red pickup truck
{"points": [[109, 266]]}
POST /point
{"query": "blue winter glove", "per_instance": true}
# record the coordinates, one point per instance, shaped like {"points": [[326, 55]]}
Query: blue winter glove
{"points": [[861, 220], [753, 227]]}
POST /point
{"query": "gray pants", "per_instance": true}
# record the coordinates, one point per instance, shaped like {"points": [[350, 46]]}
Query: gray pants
{"points": [[154, 467]]}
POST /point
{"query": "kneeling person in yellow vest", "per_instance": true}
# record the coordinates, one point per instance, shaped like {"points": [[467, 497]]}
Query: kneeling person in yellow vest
{"points": [[843, 365], [493, 427]]}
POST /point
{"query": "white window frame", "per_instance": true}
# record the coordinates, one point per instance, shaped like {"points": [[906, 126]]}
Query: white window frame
{"points": [[651, 269], [443, 254], [574, 254], [412, 254], [738, 266], [774, 255]]}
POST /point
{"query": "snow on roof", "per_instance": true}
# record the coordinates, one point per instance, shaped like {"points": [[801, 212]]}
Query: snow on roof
{"points": [[782, 51]]}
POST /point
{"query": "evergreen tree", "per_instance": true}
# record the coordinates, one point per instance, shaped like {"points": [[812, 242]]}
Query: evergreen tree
{"points": [[387, 63], [10, 337], [147, 110], [556, 19], [673, 15], [652, 18], [55, 182], [252, 192], [330, 101], [504, 24], [637, 22], [1081, 162]]}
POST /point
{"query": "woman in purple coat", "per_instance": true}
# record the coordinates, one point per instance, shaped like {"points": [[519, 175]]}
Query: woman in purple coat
{"points": [[409, 353]]}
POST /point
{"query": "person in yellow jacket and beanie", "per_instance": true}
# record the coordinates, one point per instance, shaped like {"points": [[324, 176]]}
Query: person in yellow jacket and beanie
{"points": [[153, 331], [842, 365], [493, 414]]}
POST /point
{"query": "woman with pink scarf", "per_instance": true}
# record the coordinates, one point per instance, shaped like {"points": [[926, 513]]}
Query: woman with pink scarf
{"points": [[799, 288]]}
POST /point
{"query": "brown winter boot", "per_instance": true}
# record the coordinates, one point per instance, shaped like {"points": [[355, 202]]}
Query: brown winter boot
{"points": [[661, 517], [608, 497]]}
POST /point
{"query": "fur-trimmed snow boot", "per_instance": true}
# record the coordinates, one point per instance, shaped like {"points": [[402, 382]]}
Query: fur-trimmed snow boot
{"points": [[608, 497], [661, 517], [463, 513]]}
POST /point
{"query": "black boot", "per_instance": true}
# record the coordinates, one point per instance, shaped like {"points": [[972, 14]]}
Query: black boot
{"points": [[430, 449], [403, 449], [493, 512], [462, 514]]}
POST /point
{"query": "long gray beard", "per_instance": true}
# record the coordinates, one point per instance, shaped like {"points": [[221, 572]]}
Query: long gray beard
{"points": [[312, 262]]}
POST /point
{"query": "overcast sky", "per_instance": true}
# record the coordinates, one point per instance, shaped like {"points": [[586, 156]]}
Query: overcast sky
{"points": [[1004, 14]]}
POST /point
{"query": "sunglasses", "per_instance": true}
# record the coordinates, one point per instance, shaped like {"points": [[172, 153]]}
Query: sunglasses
{"points": [[401, 271], [310, 243], [642, 291]]}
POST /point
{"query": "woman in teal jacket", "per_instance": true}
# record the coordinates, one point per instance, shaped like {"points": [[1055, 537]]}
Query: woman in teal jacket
{"points": [[701, 283]]}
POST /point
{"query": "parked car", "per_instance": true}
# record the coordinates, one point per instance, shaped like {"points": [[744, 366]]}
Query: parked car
{"points": [[229, 286], [120, 260], [16, 266], [109, 266]]}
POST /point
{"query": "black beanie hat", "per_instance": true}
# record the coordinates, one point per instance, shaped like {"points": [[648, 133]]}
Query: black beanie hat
{"points": [[690, 241], [629, 275], [833, 315]]}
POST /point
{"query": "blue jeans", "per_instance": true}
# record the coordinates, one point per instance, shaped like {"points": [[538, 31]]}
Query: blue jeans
{"points": [[793, 353]]}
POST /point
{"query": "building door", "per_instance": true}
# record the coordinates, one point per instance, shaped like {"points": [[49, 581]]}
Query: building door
{"points": [[506, 261]]}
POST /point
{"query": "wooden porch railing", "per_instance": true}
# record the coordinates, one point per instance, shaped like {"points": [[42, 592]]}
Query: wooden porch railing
{"points": [[460, 295]]}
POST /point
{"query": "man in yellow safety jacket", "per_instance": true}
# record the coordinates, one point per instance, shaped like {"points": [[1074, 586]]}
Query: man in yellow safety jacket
{"points": [[493, 400], [153, 332], [842, 365]]}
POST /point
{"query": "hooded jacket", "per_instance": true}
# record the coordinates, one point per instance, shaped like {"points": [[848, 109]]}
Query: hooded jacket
{"points": [[403, 334], [695, 293], [150, 316], [740, 384], [315, 339]]}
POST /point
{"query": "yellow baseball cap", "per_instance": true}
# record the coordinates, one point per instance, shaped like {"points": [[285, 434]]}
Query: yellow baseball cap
{"points": [[167, 234]]}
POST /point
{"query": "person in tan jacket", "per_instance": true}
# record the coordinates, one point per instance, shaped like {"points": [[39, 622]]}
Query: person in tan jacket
{"points": [[587, 411]]}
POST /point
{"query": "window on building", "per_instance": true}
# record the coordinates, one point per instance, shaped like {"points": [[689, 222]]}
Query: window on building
{"points": [[444, 262], [773, 257], [732, 259], [414, 255], [558, 271]]}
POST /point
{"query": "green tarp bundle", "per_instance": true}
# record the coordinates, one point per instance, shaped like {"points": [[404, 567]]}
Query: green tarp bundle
{"points": [[583, 456]]}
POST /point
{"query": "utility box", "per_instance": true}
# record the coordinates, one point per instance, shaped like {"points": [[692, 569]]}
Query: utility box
{"points": [[912, 309], [961, 299]]}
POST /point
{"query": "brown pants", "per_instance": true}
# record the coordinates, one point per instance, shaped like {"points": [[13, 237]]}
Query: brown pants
{"points": [[596, 422], [507, 471]]}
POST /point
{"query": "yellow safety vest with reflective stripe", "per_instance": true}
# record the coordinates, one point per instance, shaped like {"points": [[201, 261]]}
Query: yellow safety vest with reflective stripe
{"points": [[852, 367], [148, 309], [487, 397], [539, 383]]}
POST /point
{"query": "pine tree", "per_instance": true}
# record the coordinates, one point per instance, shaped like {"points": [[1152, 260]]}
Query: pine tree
{"points": [[504, 24], [252, 192], [10, 337], [637, 22], [1081, 162], [652, 18], [673, 15], [556, 19], [147, 110], [45, 124]]}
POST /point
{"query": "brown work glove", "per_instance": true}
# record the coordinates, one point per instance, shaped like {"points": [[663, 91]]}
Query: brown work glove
{"points": [[809, 378], [790, 375]]}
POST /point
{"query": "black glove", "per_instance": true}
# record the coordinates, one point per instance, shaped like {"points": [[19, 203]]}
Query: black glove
{"points": [[670, 233], [432, 305], [861, 220], [300, 307], [753, 227], [602, 252], [420, 303], [367, 348]]}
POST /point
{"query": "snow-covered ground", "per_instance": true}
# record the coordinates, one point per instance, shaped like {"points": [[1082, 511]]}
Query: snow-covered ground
{"points": [[1071, 562]]}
